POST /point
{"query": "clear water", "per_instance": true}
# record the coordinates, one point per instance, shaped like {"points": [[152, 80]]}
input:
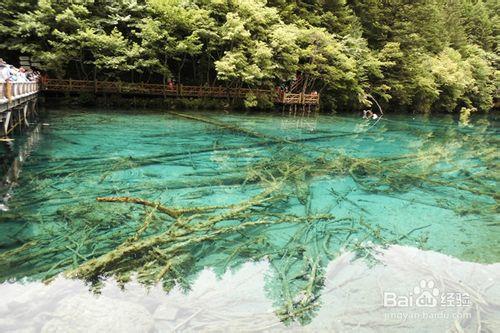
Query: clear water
{"points": [[427, 184]]}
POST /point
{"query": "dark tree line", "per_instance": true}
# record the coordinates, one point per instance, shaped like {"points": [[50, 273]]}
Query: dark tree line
{"points": [[417, 55]]}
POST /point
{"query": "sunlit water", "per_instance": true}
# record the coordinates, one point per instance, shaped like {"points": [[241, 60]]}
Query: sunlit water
{"points": [[385, 232]]}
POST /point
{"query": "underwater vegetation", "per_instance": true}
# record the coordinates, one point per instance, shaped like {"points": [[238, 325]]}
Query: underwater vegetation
{"points": [[269, 189]]}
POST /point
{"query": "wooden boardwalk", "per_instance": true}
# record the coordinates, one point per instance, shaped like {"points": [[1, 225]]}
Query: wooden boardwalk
{"points": [[18, 99], [17, 104], [15, 94], [58, 85]]}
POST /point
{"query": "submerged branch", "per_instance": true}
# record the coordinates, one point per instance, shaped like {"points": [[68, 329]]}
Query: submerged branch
{"points": [[172, 212], [169, 211]]}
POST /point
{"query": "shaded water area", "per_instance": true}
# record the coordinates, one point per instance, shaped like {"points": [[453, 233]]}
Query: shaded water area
{"points": [[253, 222]]}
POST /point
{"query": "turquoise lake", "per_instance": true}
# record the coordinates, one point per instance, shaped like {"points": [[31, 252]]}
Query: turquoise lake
{"points": [[290, 221]]}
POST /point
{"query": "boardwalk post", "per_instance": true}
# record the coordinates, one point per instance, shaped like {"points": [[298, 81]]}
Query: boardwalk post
{"points": [[17, 122], [6, 122], [2, 92], [8, 91], [25, 114]]}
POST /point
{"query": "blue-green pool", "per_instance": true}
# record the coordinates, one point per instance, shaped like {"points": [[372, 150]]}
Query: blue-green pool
{"points": [[289, 194]]}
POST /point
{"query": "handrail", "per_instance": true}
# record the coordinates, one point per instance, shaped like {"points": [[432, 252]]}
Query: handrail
{"points": [[10, 91], [178, 90]]}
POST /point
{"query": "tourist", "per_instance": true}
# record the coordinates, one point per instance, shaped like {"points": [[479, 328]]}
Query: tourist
{"points": [[30, 75], [4, 71], [13, 73], [369, 114], [33, 76], [22, 75], [9, 73]]}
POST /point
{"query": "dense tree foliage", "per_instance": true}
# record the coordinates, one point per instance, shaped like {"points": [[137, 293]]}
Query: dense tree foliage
{"points": [[417, 55]]}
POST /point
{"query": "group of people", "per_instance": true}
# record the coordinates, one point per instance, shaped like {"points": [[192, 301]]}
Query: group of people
{"points": [[9, 73], [369, 114]]}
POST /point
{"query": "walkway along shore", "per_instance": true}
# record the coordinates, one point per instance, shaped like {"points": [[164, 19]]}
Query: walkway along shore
{"points": [[18, 99], [178, 90]]}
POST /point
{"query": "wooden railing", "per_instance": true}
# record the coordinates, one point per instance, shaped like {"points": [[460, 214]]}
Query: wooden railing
{"points": [[10, 91], [58, 85]]}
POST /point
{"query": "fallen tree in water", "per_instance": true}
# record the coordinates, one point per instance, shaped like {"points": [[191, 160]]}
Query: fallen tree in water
{"points": [[124, 236]]}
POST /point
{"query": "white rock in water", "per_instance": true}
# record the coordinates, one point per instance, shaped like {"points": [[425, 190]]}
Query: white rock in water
{"points": [[86, 313]]}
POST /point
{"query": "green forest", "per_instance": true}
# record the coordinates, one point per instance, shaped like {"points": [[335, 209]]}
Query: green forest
{"points": [[410, 55]]}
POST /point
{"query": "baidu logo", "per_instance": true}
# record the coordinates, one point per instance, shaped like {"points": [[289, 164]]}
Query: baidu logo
{"points": [[426, 295]]}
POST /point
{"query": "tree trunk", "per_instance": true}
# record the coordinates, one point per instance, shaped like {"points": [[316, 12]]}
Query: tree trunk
{"points": [[180, 69]]}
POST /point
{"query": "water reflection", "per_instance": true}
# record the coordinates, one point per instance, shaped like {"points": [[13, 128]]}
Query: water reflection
{"points": [[11, 162], [241, 300]]}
